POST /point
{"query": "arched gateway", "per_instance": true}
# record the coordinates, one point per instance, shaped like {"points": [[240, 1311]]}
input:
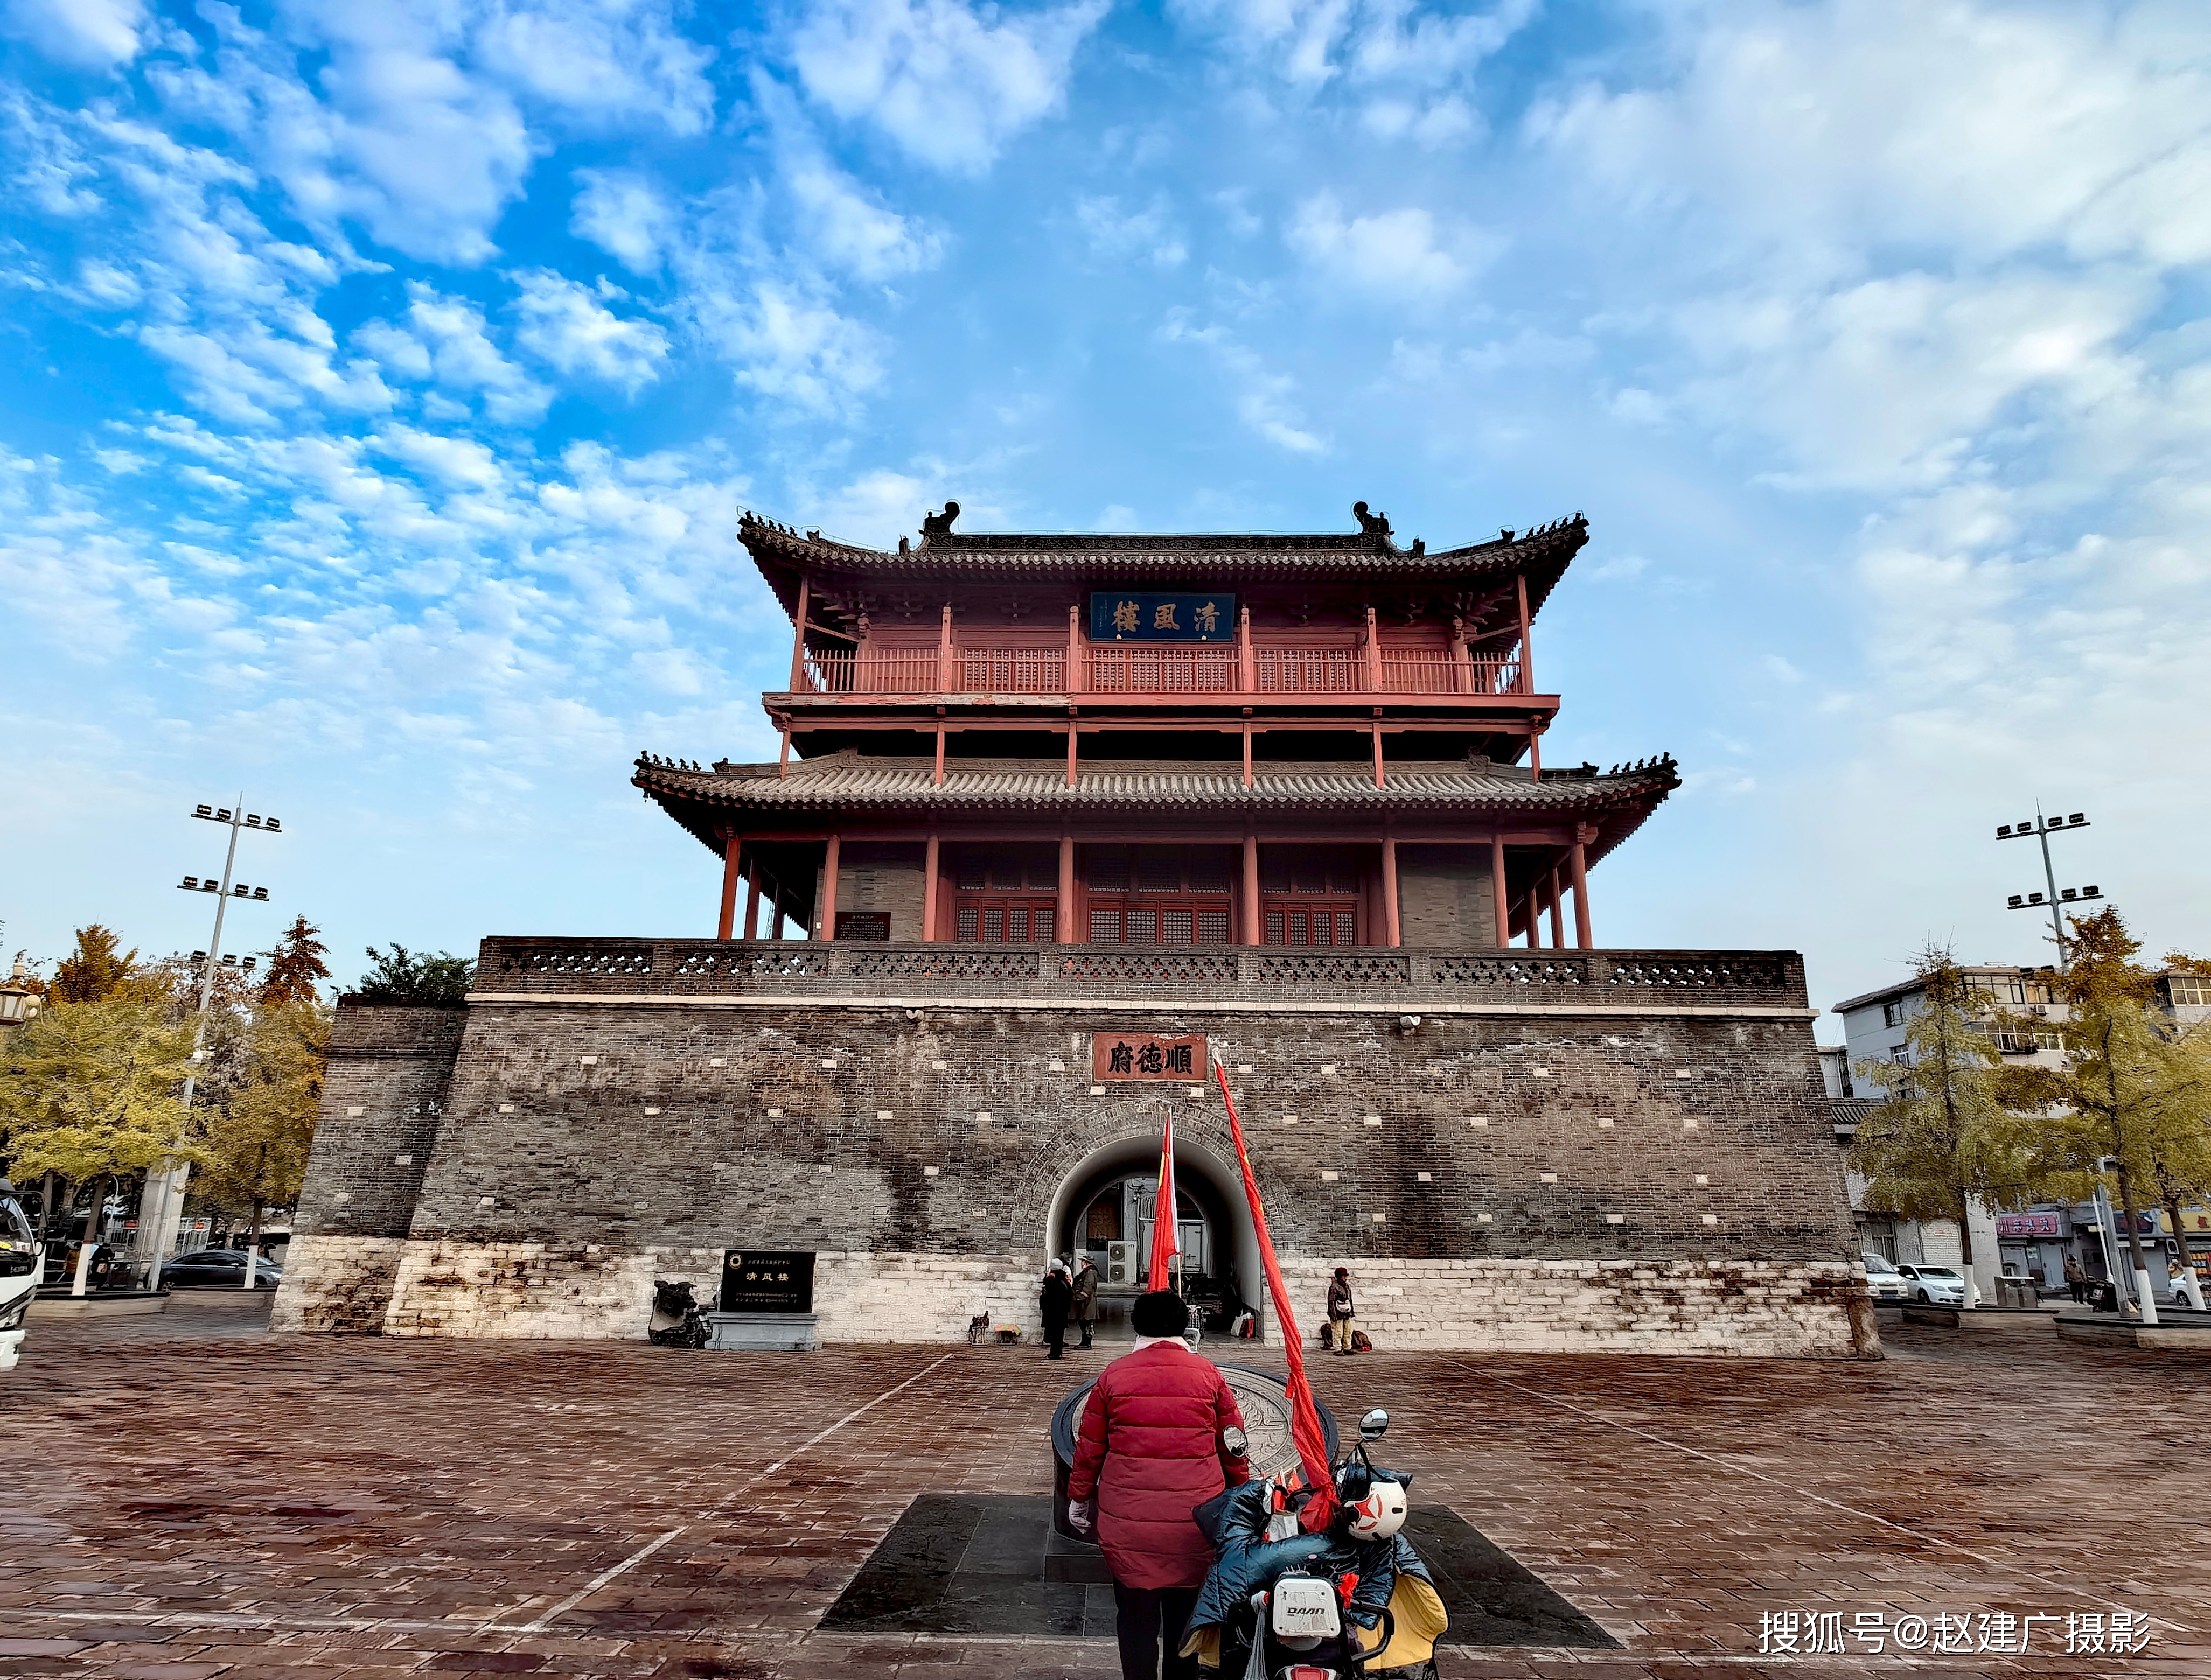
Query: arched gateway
{"points": [[1061, 821]]}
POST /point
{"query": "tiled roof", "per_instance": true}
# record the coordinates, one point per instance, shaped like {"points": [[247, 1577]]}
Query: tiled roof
{"points": [[846, 781], [781, 553]]}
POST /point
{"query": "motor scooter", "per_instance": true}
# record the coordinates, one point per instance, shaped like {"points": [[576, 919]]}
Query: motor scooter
{"points": [[22, 1265], [1351, 1602]]}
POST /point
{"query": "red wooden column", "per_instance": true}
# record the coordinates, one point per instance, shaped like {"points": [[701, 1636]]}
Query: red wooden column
{"points": [[829, 890], [798, 641], [1247, 667], [752, 901], [1580, 857], [1072, 679], [1558, 914], [732, 846], [1069, 932], [1390, 889], [1373, 656], [1502, 904], [929, 889], [1254, 931], [944, 653], [1527, 651]]}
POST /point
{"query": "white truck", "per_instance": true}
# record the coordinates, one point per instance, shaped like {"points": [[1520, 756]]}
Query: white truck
{"points": [[21, 1269]]}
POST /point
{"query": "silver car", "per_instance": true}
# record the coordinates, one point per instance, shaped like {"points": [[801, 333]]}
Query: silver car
{"points": [[1883, 1281]]}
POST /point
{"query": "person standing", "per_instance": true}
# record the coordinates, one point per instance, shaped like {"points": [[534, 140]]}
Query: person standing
{"points": [[1161, 1434], [1058, 1300], [2076, 1280], [1085, 1298], [1343, 1315]]}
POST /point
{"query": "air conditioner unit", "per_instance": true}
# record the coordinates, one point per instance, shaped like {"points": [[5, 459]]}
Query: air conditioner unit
{"points": [[1120, 1262]]}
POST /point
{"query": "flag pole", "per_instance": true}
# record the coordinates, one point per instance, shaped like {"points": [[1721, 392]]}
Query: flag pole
{"points": [[1304, 1416]]}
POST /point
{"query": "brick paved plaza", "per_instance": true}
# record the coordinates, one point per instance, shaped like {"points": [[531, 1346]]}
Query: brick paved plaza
{"points": [[191, 1497]]}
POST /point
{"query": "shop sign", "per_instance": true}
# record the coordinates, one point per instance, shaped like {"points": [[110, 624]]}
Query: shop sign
{"points": [[1137, 616], [2030, 1225], [1146, 1055], [760, 1280]]}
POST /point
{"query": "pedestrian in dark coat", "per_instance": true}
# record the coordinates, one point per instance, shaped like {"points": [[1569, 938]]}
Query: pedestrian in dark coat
{"points": [[1058, 1301], [1343, 1315], [1153, 1447], [1086, 1297]]}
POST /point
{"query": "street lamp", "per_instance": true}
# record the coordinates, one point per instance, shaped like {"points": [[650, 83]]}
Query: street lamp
{"points": [[226, 892], [2041, 829]]}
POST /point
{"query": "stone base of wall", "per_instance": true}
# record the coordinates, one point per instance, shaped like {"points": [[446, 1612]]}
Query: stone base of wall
{"points": [[1749, 1309], [335, 1286]]}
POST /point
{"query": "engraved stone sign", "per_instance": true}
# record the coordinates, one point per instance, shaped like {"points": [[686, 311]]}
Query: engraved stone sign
{"points": [[758, 1280], [1146, 1055]]}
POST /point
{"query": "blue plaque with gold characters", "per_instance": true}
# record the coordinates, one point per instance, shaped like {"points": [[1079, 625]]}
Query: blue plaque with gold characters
{"points": [[1135, 616]]}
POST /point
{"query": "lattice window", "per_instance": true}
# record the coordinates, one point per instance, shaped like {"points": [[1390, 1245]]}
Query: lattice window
{"points": [[1318, 870], [1001, 921], [1293, 923], [1184, 922]]}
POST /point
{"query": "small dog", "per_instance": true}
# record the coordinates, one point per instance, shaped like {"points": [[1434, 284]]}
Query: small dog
{"points": [[979, 1329]]}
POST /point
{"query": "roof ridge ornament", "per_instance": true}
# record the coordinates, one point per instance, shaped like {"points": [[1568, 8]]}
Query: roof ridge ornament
{"points": [[938, 524], [1373, 525]]}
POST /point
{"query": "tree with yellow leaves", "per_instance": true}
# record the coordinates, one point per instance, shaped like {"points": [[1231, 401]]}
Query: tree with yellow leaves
{"points": [[254, 1146], [89, 1090], [2132, 1105]]}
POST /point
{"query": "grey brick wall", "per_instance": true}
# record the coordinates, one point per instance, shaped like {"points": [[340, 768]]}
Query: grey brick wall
{"points": [[384, 1093], [783, 1142], [1443, 895]]}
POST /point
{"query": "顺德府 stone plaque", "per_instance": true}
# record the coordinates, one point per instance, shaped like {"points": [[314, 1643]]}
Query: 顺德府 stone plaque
{"points": [[1146, 1055], [760, 1280]]}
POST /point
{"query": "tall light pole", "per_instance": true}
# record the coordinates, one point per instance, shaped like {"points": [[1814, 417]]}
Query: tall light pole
{"points": [[2041, 829], [237, 818]]}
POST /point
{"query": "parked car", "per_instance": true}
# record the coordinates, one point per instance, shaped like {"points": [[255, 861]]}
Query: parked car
{"points": [[1936, 1285], [1882, 1279], [217, 1268]]}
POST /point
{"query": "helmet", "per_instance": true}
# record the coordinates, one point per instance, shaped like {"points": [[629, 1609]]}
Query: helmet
{"points": [[1381, 1513]]}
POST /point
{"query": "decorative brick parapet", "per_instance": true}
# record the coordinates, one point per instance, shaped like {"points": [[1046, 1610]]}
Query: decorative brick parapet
{"points": [[1407, 977]]}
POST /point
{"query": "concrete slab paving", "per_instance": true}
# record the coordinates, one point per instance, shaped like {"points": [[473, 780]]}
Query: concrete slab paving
{"points": [[194, 1498]]}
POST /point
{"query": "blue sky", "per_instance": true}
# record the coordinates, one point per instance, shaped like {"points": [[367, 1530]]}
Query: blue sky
{"points": [[381, 385]]}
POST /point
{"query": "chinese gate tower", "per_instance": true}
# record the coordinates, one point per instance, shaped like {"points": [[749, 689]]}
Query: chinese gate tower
{"points": [[1056, 821]]}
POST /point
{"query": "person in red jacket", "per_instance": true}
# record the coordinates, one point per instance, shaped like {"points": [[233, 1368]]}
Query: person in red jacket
{"points": [[1161, 1434]]}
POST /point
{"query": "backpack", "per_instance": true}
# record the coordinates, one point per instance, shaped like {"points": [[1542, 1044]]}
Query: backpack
{"points": [[1359, 1344]]}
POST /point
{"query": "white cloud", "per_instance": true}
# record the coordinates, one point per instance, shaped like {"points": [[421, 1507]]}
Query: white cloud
{"points": [[624, 214], [86, 34], [463, 359], [1403, 254], [1264, 397], [606, 60], [459, 461], [787, 345], [1148, 235], [843, 224], [568, 325], [1814, 132], [1311, 42], [949, 84]]}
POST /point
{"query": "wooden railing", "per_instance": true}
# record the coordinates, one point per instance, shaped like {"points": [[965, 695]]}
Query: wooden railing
{"points": [[1139, 669], [1142, 668]]}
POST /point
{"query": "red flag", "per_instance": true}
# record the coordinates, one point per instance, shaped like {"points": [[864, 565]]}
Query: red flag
{"points": [[1305, 1416], [1165, 1229]]}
